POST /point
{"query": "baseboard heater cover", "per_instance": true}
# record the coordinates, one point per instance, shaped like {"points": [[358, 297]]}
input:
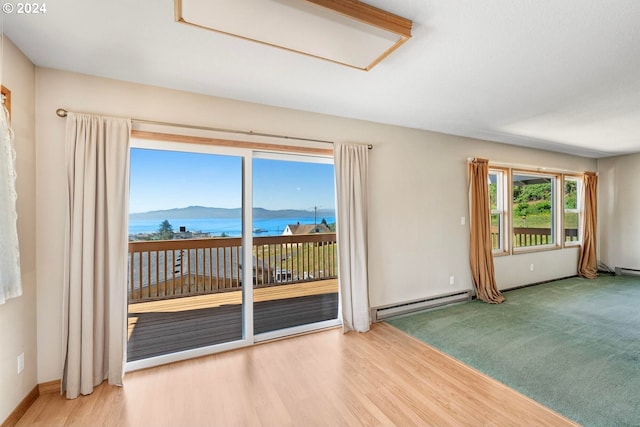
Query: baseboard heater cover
{"points": [[384, 312], [627, 271]]}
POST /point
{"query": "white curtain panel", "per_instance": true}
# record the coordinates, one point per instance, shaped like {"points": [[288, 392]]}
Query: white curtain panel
{"points": [[351, 170], [10, 282], [95, 299]]}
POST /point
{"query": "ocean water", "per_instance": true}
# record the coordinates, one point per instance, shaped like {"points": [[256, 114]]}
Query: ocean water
{"points": [[230, 226]]}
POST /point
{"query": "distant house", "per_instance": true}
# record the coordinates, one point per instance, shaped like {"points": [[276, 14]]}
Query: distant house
{"points": [[295, 229], [183, 234]]}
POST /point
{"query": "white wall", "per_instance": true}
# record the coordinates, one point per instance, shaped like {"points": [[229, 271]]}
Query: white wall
{"points": [[18, 316], [418, 196], [418, 190], [618, 206]]}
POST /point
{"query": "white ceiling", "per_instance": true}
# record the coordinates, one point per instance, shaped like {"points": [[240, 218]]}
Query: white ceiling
{"points": [[557, 75]]}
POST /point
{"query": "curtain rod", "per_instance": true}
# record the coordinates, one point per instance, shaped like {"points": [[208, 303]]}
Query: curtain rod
{"points": [[531, 168], [61, 112]]}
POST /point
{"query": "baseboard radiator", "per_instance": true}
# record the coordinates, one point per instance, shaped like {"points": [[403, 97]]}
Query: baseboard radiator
{"points": [[627, 271], [384, 312]]}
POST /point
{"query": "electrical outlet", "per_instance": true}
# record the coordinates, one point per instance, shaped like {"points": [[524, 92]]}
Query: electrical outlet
{"points": [[462, 220], [452, 280], [21, 362], [531, 267]]}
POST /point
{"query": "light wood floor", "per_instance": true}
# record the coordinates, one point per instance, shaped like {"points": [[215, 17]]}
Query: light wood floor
{"points": [[383, 377]]}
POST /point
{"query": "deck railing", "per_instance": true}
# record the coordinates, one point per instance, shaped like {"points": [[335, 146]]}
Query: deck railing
{"points": [[531, 236], [187, 267]]}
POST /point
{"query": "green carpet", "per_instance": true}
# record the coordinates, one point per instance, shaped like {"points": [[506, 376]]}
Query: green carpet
{"points": [[572, 345]]}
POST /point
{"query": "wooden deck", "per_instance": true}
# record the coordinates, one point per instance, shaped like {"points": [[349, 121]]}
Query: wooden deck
{"points": [[167, 326]]}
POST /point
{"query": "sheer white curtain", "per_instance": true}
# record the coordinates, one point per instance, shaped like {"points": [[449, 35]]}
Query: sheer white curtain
{"points": [[95, 299], [351, 170], [10, 281]]}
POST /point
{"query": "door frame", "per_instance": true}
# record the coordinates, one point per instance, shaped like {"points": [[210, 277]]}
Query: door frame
{"points": [[248, 337]]}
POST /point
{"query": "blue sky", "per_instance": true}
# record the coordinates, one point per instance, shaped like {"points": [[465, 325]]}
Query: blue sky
{"points": [[170, 179]]}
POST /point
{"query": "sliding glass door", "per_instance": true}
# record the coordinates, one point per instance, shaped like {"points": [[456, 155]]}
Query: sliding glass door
{"points": [[294, 245], [185, 251], [203, 222]]}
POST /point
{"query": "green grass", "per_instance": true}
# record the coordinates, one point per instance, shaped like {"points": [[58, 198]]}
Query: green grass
{"points": [[539, 221]]}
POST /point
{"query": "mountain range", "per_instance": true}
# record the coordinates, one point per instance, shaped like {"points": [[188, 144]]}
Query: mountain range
{"points": [[201, 212]]}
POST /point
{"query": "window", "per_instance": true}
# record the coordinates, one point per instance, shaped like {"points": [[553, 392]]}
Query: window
{"points": [[572, 193], [497, 204], [533, 209]]}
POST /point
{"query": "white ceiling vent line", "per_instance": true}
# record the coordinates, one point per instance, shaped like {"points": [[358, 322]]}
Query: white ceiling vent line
{"points": [[346, 32]]}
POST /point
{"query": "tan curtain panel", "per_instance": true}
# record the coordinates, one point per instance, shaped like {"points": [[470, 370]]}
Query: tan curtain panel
{"points": [[588, 263], [481, 255], [95, 296]]}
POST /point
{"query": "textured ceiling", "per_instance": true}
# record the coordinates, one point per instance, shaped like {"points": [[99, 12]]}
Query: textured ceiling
{"points": [[558, 75]]}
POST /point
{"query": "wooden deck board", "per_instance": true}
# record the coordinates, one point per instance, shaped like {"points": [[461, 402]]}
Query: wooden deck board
{"points": [[235, 297], [167, 326]]}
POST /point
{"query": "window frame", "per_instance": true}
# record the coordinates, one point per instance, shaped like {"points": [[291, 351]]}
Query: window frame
{"points": [[558, 207], [556, 200], [578, 209], [502, 190]]}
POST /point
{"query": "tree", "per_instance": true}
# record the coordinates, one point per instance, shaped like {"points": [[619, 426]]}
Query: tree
{"points": [[324, 221], [570, 194], [165, 231], [521, 209]]}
